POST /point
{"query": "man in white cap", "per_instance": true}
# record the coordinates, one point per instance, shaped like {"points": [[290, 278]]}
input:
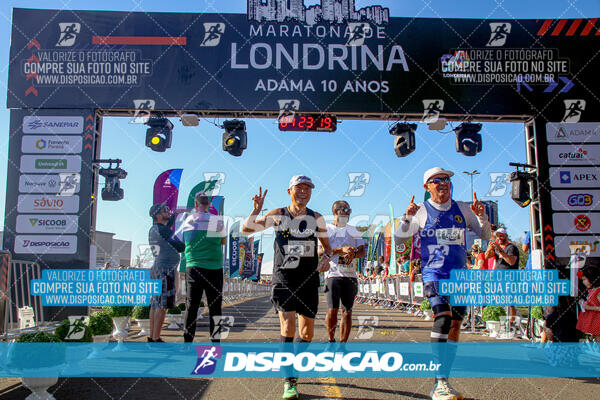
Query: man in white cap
{"points": [[296, 264], [507, 257], [441, 223]]}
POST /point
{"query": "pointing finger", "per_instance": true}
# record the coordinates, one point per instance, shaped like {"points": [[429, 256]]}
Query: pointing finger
{"points": [[474, 197], [412, 199], [265, 194]]}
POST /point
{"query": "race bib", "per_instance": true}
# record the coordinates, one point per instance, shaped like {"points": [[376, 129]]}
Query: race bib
{"points": [[450, 236]]}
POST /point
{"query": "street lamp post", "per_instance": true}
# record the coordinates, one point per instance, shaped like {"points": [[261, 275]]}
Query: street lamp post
{"points": [[474, 172]]}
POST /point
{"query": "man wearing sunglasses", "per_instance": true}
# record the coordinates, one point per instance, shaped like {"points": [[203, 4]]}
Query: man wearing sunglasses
{"points": [[441, 223], [341, 283], [166, 258]]}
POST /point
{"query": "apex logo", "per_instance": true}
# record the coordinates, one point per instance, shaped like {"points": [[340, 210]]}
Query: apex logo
{"points": [[358, 32], [500, 31], [68, 33], [573, 110], [432, 110], [212, 34]]}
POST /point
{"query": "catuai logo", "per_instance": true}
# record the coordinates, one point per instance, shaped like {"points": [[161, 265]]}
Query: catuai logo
{"points": [[432, 110], [573, 109], [207, 359], [68, 33], [212, 34], [358, 32], [500, 31]]}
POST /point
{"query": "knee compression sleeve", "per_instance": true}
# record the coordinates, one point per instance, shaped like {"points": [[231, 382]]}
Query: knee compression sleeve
{"points": [[441, 328]]}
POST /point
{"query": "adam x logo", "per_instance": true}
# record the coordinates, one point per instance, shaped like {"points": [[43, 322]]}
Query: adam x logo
{"points": [[212, 33], [498, 184], [218, 178], [358, 183], [68, 33], [142, 111], [207, 359], [358, 32], [287, 108], [222, 324], [573, 109], [500, 31], [68, 183], [432, 110], [366, 327]]}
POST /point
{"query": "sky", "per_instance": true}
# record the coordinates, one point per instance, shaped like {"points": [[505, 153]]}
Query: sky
{"points": [[273, 157]]}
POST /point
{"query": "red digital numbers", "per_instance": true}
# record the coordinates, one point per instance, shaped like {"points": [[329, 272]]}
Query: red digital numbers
{"points": [[307, 123]]}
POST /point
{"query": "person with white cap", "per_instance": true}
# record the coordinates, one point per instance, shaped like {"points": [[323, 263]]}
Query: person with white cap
{"points": [[441, 223], [296, 263], [507, 257]]}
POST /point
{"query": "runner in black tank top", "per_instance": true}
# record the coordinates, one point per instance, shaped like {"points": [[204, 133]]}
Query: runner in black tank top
{"points": [[296, 265]]}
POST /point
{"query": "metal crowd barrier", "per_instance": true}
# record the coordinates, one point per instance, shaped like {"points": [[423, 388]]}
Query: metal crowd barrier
{"points": [[394, 292], [236, 289]]}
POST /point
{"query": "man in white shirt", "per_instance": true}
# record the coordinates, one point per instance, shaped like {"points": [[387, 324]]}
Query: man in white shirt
{"points": [[341, 283]]}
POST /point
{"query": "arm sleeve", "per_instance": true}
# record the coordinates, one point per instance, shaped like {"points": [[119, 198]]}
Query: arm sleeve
{"points": [[479, 225], [411, 225]]}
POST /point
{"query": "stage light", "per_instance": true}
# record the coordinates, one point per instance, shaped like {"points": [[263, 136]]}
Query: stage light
{"points": [[112, 185], [404, 142], [520, 184], [159, 134], [235, 137], [468, 139]]}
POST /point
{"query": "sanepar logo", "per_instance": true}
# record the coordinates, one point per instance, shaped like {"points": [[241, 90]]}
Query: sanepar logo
{"points": [[580, 199]]}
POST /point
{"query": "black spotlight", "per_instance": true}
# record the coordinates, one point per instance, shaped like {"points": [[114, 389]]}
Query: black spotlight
{"points": [[404, 143], [234, 137], [112, 186], [520, 187], [160, 133], [468, 139]]}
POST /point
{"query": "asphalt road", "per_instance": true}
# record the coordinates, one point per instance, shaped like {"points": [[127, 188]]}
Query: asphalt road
{"points": [[255, 320]]}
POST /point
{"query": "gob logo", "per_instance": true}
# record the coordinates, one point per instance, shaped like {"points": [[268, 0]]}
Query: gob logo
{"points": [[580, 199]]}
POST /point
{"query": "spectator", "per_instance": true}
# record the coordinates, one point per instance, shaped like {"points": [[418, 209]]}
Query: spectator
{"points": [[507, 257], [479, 258], [589, 319], [527, 248], [106, 265]]}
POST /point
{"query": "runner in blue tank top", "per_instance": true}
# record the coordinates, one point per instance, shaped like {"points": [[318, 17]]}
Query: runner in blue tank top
{"points": [[441, 223]]}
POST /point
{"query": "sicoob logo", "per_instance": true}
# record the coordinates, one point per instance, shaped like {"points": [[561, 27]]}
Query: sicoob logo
{"points": [[207, 359], [68, 33]]}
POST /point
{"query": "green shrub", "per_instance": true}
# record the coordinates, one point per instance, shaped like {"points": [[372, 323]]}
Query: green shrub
{"points": [[493, 313], [537, 312], [181, 306], [38, 337], [101, 323], [52, 355], [141, 312], [425, 305], [118, 311], [62, 330], [174, 310]]}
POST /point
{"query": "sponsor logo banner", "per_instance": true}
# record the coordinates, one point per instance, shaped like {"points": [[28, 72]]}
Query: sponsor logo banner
{"points": [[574, 177], [577, 154], [52, 124], [40, 164], [51, 144], [581, 132], [45, 244], [577, 222], [588, 200], [48, 183], [589, 246], [35, 223], [28, 203]]}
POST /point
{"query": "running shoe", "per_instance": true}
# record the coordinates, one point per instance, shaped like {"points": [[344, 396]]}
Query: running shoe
{"points": [[455, 392], [289, 390], [442, 391]]}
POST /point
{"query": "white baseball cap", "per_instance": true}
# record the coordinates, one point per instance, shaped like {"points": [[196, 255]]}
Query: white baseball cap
{"points": [[501, 230], [435, 171], [298, 179]]}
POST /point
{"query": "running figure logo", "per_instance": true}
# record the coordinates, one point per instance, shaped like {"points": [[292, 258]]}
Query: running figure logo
{"points": [[218, 178], [500, 31], [207, 359], [358, 183], [212, 33], [69, 183], [573, 109], [68, 33], [366, 327], [142, 110], [223, 324], [498, 184], [76, 328], [287, 108], [358, 32], [432, 110]]}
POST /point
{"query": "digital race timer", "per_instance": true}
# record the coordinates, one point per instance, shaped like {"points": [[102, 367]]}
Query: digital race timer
{"points": [[308, 123]]}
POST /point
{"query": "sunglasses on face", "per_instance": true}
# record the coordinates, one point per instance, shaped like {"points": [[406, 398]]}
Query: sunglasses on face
{"points": [[345, 210], [166, 209], [437, 181]]}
